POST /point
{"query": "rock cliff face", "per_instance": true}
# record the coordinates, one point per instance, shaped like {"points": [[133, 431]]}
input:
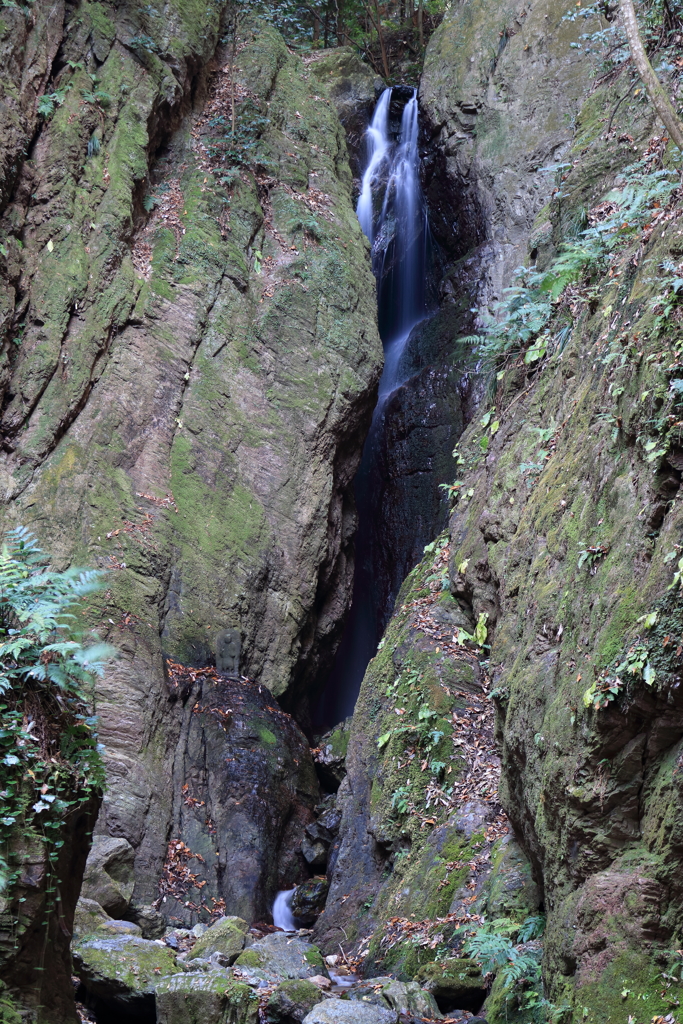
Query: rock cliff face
{"points": [[189, 363], [492, 124], [189, 358], [561, 544]]}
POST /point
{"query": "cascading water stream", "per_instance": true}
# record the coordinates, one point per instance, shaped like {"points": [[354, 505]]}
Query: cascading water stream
{"points": [[378, 145], [282, 911], [392, 214]]}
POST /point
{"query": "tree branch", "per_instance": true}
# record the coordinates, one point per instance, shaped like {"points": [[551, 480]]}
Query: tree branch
{"points": [[658, 97]]}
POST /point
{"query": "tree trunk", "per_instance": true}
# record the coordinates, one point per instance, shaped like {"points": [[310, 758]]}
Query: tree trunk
{"points": [[420, 24], [233, 59], [658, 97], [385, 63], [377, 25]]}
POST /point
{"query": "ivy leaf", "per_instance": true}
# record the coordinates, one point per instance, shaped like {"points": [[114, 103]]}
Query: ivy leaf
{"points": [[383, 740], [649, 674], [481, 632]]}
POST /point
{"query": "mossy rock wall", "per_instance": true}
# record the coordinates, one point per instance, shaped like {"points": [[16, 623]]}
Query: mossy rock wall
{"points": [[500, 90], [186, 387], [592, 793]]}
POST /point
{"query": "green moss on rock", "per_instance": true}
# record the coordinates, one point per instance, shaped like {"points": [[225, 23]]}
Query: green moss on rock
{"points": [[225, 936], [208, 998]]}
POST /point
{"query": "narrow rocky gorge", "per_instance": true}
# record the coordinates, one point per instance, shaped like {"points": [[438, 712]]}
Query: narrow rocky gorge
{"points": [[390, 728]]}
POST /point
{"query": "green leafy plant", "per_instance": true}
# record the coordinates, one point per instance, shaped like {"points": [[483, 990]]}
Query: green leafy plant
{"points": [[49, 101], [498, 949], [143, 43], [400, 800], [591, 555], [96, 97], [609, 684], [529, 318], [49, 755]]}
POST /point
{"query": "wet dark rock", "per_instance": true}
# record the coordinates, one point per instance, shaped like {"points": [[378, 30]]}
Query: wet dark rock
{"points": [[308, 900], [315, 852], [330, 755], [423, 421], [247, 788]]}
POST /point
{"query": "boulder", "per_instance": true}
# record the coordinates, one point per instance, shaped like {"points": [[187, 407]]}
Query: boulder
{"points": [[315, 852], [114, 927], [308, 899], [152, 923], [330, 755], [225, 936], [407, 997], [88, 918], [292, 1001], [120, 974], [344, 1011], [251, 763], [207, 998], [91, 919], [109, 875], [281, 956]]}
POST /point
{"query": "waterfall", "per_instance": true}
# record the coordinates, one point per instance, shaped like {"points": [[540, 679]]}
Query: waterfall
{"points": [[282, 911], [392, 213], [378, 144], [398, 231]]}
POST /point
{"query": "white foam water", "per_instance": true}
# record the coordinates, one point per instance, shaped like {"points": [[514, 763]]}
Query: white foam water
{"points": [[378, 144], [282, 911]]}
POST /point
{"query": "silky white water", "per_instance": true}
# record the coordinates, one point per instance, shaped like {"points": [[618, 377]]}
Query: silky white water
{"points": [[378, 145], [282, 911], [392, 213]]}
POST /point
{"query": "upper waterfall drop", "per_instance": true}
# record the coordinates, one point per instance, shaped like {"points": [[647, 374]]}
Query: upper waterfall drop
{"points": [[392, 213], [378, 145]]}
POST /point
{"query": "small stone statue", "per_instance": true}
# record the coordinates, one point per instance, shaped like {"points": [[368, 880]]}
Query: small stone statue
{"points": [[228, 646]]}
